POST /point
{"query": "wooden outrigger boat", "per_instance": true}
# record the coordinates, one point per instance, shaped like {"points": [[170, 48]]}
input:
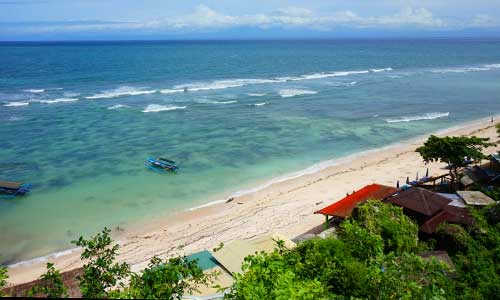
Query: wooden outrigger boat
{"points": [[161, 164], [10, 189]]}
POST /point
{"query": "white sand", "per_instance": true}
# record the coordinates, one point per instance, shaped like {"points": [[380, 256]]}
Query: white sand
{"points": [[286, 207]]}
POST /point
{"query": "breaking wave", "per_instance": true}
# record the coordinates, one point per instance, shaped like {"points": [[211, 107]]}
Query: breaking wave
{"points": [[59, 100], [428, 116], [260, 104], [219, 102], [380, 70], [35, 91], [232, 83], [486, 67], [287, 93], [158, 108], [118, 106], [16, 104], [121, 91]]}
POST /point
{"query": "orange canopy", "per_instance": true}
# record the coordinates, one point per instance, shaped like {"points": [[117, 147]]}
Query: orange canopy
{"points": [[343, 208]]}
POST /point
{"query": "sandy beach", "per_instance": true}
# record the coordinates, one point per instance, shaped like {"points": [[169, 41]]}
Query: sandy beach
{"points": [[285, 206]]}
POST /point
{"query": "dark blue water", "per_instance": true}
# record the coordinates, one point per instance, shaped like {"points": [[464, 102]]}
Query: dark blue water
{"points": [[78, 119]]}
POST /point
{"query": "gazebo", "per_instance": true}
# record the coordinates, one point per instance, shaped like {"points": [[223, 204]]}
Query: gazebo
{"points": [[344, 207]]}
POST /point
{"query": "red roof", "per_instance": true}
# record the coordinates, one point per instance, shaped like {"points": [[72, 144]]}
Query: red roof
{"points": [[450, 214], [344, 207]]}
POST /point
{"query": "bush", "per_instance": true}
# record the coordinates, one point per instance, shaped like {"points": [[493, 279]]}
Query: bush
{"points": [[51, 285], [398, 232], [169, 279], [100, 273], [3, 279]]}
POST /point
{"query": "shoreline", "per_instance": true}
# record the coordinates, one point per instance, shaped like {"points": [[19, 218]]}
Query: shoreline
{"points": [[270, 206]]}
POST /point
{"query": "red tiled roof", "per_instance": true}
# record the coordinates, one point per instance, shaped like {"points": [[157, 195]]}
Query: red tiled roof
{"points": [[450, 214], [420, 200], [344, 207]]}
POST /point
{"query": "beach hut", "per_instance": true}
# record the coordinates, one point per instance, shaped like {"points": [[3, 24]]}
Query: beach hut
{"points": [[431, 209], [209, 265], [450, 214], [231, 256], [419, 203], [344, 207], [475, 198]]}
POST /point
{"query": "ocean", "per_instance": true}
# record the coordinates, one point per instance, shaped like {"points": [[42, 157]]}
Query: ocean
{"points": [[79, 119]]}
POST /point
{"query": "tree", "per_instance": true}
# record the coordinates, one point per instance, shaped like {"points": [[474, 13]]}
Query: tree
{"points": [[453, 151], [498, 129], [51, 285], [3, 279], [100, 273], [371, 259], [168, 279], [397, 232]]}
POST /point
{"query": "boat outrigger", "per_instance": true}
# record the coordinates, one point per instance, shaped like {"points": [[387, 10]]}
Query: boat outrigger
{"points": [[10, 189], [161, 164]]}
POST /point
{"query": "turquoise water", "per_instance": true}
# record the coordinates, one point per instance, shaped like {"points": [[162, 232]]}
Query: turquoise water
{"points": [[79, 119]]}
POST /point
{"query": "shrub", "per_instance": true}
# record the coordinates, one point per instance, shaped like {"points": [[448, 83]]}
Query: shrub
{"points": [[100, 273], [51, 285]]}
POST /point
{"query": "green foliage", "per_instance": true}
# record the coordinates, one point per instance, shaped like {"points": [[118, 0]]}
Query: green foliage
{"points": [[398, 232], [101, 273], [364, 244], [453, 150], [51, 285], [3, 279], [498, 129], [169, 279], [272, 276], [452, 238], [360, 264]]}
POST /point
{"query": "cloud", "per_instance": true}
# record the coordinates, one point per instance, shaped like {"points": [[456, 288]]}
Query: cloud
{"points": [[204, 18], [484, 21]]}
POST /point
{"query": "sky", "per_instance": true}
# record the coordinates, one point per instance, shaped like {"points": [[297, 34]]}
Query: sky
{"points": [[231, 19]]}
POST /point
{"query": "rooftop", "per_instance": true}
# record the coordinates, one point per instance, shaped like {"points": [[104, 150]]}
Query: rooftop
{"points": [[475, 198], [420, 200], [344, 207]]}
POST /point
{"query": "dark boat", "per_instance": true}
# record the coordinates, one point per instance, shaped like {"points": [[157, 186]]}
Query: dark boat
{"points": [[161, 164], [10, 189]]}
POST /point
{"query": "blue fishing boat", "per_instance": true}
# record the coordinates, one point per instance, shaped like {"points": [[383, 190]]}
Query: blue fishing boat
{"points": [[161, 164], [10, 189]]}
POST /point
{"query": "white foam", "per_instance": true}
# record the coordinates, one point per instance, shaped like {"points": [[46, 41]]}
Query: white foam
{"points": [[326, 75], [222, 84], [158, 108], [118, 106], [239, 82], [286, 93], [207, 205], [260, 104], [220, 102], [58, 100], [35, 91], [486, 67], [380, 70], [428, 116], [16, 104], [166, 91], [121, 91], [44, 258]]}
